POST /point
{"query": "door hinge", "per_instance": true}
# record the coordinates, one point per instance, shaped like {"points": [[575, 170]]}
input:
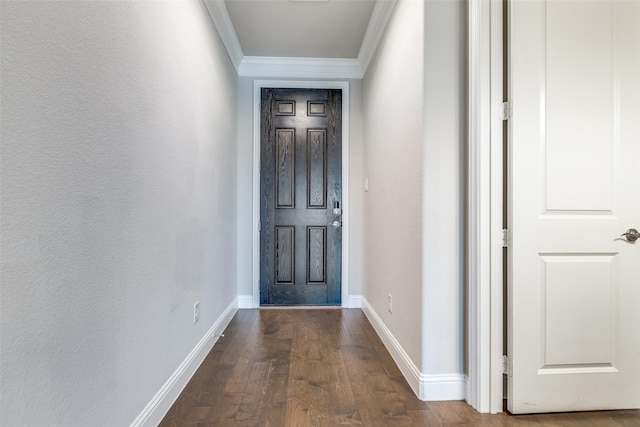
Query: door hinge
{"points": [[505, 111], [259, 226], [505, 238], [505, 365]]}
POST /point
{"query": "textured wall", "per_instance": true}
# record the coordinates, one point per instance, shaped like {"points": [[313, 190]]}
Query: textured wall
{"points": [[393, 152], [118, 186]]}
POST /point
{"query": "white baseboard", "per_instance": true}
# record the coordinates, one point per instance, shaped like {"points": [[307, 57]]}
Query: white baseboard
{"points": [[426, 387], [245, 301], [158, 407], [442, 387], [353, 301]]}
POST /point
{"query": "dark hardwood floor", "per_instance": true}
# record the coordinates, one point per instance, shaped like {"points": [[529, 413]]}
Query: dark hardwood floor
{"points": [[325, 367]]}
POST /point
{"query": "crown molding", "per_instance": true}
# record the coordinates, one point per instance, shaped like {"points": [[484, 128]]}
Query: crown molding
{"points": [[300, 68], [377, 24], [304, 68], [222, 21]]}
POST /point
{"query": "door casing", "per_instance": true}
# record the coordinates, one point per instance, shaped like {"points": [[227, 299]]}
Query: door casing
{"points": [[486, 175], [295, 84]]}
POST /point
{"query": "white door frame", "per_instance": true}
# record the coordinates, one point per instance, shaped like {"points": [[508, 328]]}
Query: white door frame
{"points": [[344, 86], [485, 206]]}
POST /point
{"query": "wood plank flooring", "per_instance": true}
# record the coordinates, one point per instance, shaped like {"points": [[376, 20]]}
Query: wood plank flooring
{"points": [[325, 367]]}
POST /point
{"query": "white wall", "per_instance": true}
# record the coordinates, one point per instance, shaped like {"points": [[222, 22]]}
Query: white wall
{"points": [[414, 103], [118, 187], [443, 192], [245, 185], [393, 164], [356, 192]]}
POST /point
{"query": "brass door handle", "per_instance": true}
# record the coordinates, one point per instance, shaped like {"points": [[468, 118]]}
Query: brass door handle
{"points": [[632, 235]]}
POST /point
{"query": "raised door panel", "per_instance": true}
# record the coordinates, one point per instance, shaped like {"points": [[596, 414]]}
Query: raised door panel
{"points": [[285, 255], [317, 168], [317, 255], [580, 90], [285, 168]]}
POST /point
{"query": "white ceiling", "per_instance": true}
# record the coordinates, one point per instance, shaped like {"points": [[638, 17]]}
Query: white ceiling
{"points": [[290, 28]]}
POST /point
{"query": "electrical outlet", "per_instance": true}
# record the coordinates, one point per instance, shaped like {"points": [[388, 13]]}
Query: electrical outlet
{"points": [[196, 312], [390, 303]]}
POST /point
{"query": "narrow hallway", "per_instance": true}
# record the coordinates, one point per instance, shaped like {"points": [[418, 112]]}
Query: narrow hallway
{"points": [[282, 367]]}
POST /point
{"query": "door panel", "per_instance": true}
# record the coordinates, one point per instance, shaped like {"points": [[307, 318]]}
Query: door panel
{"points": [[574, 285], [301, 184], [286, 166]]}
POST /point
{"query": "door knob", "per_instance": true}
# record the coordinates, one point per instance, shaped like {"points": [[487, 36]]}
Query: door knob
{"points": [[632, 234], [336, 224]]}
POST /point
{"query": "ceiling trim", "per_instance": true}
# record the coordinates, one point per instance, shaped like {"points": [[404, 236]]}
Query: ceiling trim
{"points": [[377, 24], [300, 68], [304, 68], [222, 21]]}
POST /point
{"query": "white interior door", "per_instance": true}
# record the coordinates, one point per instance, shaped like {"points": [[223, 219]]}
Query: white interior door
{"points": [[574, 293]]}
